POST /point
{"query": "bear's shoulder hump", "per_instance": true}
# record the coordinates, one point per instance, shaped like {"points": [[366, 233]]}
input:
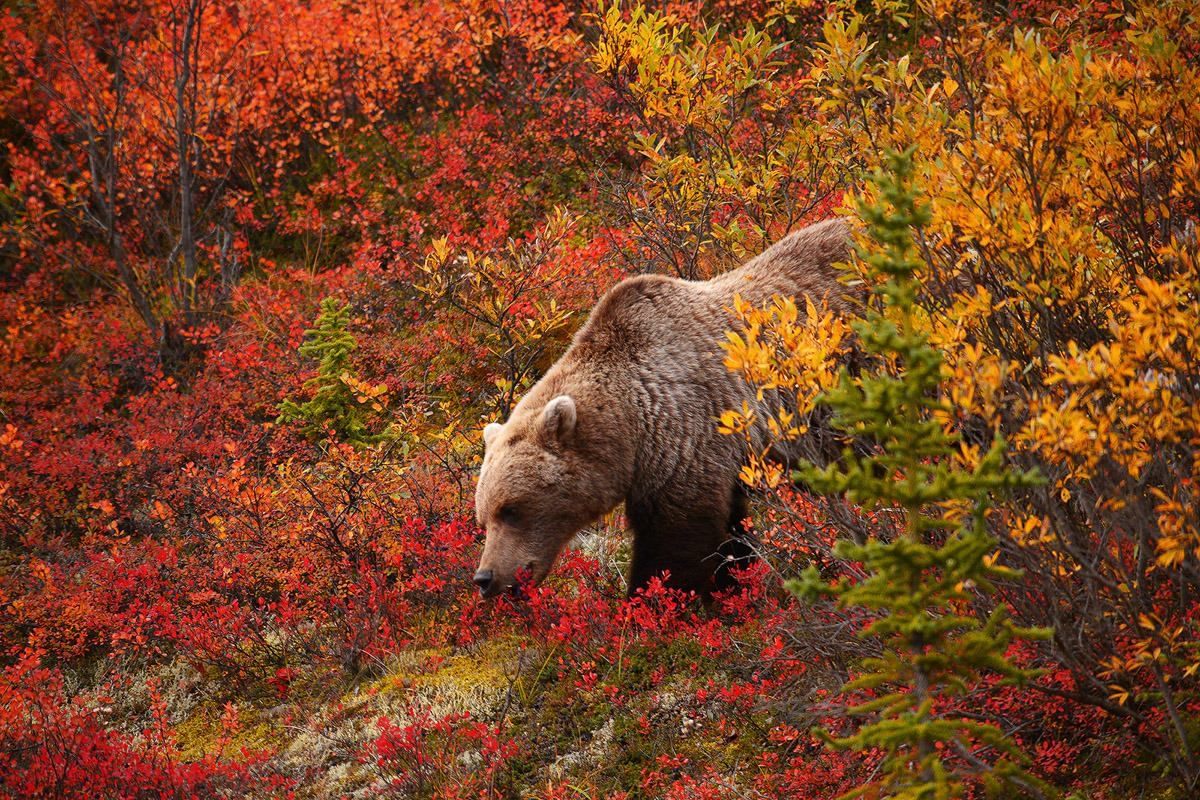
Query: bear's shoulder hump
{"points": [[627, 311], [634, 291]]}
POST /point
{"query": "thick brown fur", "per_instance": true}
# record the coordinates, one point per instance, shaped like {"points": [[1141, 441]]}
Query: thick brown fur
{"points": [[628, 414]]}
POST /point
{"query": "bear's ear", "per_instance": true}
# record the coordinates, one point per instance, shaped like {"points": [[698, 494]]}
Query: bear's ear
{"points": [[489, 433], [558, 419]]}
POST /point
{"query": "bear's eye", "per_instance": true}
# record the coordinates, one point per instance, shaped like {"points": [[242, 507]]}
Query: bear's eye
{"points": [[509, 514]]}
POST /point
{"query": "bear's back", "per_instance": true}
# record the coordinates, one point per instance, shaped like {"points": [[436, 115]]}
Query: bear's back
{"points": [[798, 265], [661, 317]]}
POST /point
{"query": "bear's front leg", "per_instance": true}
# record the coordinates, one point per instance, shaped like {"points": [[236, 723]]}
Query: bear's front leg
{"points": [[682, 540]]}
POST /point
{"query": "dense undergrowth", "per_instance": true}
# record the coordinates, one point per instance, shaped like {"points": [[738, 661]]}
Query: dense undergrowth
{"points": [[201, 597]]}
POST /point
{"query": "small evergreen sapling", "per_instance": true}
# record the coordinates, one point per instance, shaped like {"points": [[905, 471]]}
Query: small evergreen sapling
{"points": [[920, 582], [341, 404]]}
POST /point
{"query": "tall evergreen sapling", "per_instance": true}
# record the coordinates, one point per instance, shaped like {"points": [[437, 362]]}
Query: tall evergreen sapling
{"points": [[920, 582], [341, 404]]}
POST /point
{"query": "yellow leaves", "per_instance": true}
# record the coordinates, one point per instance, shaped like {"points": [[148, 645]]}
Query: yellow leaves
{"points": [[1121, 400], [749, 358], [1060, 261], [842, 67], [784, 426], [724, 153], [762, 471], [736, 422], [217, 522], [789, 357], [439, 250], [748, 475], [974, 379], [1031, 530], [508, 298], [1179, 537], [1187, 176], [622, 40], [676, 74], [1155, 643]]}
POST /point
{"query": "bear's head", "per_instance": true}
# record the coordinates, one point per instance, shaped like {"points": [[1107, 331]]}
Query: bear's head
{"points": [[537, 488]]}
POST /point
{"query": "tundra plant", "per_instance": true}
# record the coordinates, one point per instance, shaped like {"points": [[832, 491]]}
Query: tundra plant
{"points": [[921, 581]]}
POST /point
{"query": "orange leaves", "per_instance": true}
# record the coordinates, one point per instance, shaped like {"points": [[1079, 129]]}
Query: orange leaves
{"points": [[9, 438], [1126, 400], [105, 507], [1178, 538], [736, 422], [366, 393], [778, 348]]}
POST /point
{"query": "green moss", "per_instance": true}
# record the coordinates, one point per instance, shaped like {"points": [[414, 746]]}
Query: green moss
{"points": [[200, 734], [439, 667], [485, 668]]}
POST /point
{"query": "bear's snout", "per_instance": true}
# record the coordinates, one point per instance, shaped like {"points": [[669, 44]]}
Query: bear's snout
{"points": [[491, 583], [486, 582]]}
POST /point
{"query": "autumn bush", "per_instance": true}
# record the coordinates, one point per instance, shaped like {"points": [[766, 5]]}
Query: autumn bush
{"points": [[1058, 280], [52, 747], [266, 270]]}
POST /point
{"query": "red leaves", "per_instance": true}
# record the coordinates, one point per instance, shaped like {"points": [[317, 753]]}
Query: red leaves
{"points": [[52, 747], [424, 755]]}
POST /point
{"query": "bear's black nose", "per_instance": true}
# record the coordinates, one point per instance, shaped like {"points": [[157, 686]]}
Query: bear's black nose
{"points": [[483, 579]]}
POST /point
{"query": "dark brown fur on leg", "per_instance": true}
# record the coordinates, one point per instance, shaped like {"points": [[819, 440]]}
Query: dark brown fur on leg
{"points": [[681, 542], [737, 551]]}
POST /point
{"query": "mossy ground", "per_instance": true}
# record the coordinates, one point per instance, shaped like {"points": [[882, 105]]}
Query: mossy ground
{"points": [[203, 733], [604, 736]]}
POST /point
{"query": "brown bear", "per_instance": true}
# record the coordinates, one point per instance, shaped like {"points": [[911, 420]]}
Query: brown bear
{"points": [[629, 414]]}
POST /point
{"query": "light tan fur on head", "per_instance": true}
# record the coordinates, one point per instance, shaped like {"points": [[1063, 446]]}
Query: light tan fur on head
{"points": [[537, 488]]}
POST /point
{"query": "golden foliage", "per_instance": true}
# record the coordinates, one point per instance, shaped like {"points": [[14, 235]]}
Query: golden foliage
{"points": [[724, 163], [780, 349]]}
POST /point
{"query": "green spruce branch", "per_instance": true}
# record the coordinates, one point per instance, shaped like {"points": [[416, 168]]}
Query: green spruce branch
{"points": [[340, 404], [920, 583]]}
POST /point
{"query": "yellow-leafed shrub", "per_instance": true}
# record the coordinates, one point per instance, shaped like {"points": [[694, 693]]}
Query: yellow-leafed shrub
{"points": [[1061, 282]]}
